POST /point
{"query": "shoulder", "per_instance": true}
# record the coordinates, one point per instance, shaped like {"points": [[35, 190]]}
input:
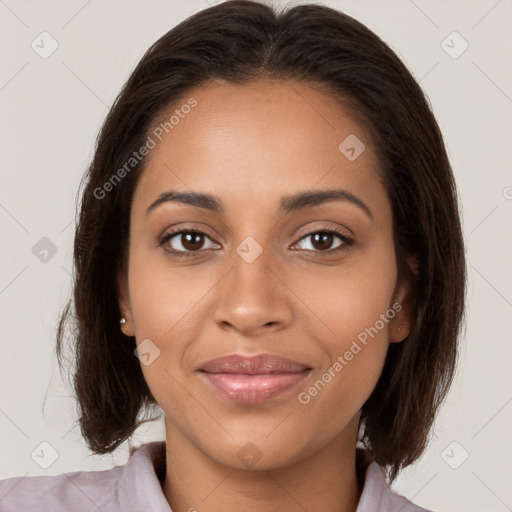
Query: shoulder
{"points": [[80, 490], [378, 495], [77, 490]]}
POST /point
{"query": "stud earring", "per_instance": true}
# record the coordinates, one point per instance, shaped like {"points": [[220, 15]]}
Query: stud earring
{"points": [[122, 321], [399, 328]]}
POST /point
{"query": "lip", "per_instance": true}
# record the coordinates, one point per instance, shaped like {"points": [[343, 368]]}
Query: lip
{"points": [[252, 380], [254, 365]]}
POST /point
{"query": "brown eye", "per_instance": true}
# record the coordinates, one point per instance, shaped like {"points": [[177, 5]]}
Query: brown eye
{"points": [[323, 240], [191, 241], [186, 241]]}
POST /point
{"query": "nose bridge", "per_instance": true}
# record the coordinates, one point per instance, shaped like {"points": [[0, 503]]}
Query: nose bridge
{"points": [[251, 296]]}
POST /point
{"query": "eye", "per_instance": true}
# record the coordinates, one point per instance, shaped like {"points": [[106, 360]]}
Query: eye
{"points": [[185, 242], [189, 242], [322, 240]]}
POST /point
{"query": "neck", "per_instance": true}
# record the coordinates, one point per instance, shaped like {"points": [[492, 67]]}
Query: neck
{"points": [[326, 480]]}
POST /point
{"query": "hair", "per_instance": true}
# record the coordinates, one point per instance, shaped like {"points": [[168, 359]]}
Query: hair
{"points": [[240, 42]]}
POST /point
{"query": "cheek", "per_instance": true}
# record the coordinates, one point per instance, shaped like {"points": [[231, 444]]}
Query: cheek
{"points": [[340, 389], [353, 305], [167, 310], [351, 297], [165, 300]]}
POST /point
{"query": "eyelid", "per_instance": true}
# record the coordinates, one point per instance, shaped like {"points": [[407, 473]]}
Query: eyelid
{"points": [[193, 227], [330, 229], [346, 238], [168, 235]]}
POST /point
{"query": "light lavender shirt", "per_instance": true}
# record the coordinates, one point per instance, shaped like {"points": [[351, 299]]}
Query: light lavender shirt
{"points": [[135, 487]]}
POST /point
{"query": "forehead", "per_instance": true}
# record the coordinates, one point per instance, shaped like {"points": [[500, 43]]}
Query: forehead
{"points": [[260, 141]]}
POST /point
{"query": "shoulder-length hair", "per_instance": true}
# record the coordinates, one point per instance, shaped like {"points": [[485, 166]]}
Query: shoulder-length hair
{"points": [[242, 41]]}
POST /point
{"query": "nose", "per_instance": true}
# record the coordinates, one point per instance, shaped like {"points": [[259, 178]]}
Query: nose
{"points": [[253, 298]]}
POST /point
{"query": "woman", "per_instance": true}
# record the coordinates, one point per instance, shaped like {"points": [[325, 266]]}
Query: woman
{"points": [[269, 249]]}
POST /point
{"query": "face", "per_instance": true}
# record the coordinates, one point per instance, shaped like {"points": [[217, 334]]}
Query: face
{"points": [[312, 281]]}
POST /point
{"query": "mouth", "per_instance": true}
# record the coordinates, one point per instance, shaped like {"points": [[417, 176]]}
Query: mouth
{"points": [[254, 365], [253, 380]]}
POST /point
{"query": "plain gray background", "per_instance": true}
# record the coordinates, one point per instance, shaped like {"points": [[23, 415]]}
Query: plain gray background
{"points": [[51, 111]]}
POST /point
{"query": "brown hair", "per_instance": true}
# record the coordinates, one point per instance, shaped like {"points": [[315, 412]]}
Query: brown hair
{"points": [[242, 41]]}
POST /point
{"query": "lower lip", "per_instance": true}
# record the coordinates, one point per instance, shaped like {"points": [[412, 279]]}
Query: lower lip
{"points": [[253, 389]]}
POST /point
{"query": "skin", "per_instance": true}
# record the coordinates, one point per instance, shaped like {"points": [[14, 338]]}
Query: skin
{"points": [[249, 146]]}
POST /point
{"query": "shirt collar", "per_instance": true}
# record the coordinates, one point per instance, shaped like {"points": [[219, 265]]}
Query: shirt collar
{"points": [[141, 483]]}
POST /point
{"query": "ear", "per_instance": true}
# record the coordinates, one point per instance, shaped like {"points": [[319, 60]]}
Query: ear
{"points": [[402, 304], [124, 304]]}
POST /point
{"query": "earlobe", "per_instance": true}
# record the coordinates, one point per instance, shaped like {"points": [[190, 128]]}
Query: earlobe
{"points": [[126, 326], [400, 326], [125, 320], [400, 335]]}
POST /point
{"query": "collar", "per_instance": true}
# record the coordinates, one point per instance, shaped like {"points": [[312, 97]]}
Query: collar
{"points": [[143, 475]]}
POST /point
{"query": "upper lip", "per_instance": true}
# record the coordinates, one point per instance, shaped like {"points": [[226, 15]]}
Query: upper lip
{"points": [[255, 365]]}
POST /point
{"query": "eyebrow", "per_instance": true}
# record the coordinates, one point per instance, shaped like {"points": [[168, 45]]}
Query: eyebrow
{"points": [[299, 201]]}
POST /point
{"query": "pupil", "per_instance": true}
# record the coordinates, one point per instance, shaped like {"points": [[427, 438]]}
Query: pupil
{"points": [[320, 239], [192, 240]]}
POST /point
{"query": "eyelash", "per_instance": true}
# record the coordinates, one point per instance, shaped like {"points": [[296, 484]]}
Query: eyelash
{"points": [[347, 241]]}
